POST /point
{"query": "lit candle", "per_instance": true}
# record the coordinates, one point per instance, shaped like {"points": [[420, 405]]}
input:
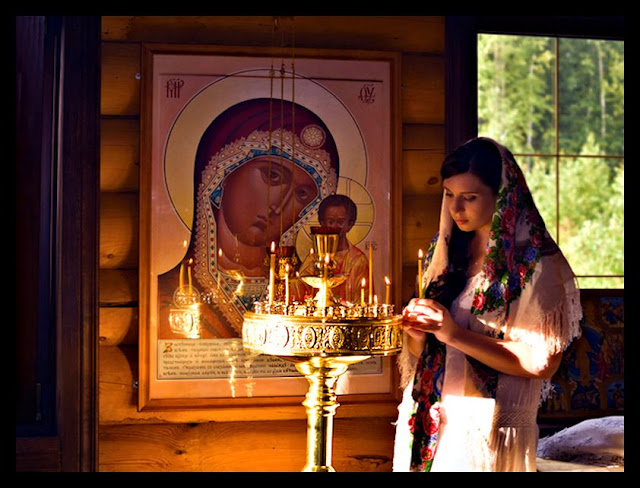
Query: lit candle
{"points": [[325, 281], [189, 272], [219, 259], [370, 272], [286, 285], [387, 291], [363, 284], [420, 273], [184, 245], [272, 270]]}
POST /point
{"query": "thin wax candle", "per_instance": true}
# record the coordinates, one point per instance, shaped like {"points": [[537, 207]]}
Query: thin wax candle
{"points": [[387, 293], [325, 281], [370, 272], [184, 245], [286, 285], [272, 271], [420, 255]]}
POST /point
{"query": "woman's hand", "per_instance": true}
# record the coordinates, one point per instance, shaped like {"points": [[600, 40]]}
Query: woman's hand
{"points": [[423, 315]]}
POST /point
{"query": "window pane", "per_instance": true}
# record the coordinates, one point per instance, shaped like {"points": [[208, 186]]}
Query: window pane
{"points": [[591, 215], [591, 96], [581, 195], [515, 91], [540, 174]]}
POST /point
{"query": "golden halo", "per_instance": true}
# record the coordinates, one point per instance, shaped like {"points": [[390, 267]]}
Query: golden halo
{"points": [[215, 98]]}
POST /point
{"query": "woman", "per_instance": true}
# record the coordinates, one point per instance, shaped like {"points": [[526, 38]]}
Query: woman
{"points": [[500, 305], [262, 168]]}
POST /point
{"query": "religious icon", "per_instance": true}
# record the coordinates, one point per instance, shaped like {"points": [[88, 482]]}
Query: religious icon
{"points": [[262, 170], [238, 161]]}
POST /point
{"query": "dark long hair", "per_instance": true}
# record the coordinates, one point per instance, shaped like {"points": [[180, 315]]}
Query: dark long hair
{"points": [[481, 158]]}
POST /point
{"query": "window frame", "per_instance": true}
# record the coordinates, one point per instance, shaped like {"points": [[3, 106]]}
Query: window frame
{"points": [[461, 74], [63, 105]]}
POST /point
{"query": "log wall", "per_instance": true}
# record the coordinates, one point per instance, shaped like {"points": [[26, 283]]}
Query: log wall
{"points": [[186, 440]]}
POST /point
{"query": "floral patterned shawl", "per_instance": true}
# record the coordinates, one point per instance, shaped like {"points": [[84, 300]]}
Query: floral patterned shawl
{"points": [[518, 240]]}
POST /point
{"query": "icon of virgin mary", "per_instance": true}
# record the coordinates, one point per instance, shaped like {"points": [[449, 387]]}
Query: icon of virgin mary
{"points": [[262, 168]]}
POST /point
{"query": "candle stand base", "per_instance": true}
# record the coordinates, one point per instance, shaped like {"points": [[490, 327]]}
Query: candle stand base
{"points": [[322, 350]]}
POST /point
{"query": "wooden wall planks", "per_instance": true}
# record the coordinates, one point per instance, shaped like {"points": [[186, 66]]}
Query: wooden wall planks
{"points": [[411, 34], [183, 441], [119, 230], [120, 80], [248, 446], [119, 155]]}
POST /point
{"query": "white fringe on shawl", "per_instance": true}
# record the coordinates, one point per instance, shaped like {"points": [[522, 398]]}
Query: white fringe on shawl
{"points": [[546, 316]]}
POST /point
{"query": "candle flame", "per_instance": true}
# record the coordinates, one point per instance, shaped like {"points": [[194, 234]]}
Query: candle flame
{"points": [[386, 280], [375, 299], [326, 258], [273, 246], [420, 254], [364, 282], [220, 252]]}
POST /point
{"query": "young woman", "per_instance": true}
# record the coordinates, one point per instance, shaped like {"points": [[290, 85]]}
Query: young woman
{"points": [[500, 305]]}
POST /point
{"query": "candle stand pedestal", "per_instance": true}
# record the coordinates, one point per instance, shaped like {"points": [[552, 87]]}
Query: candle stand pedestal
{"points": [[322, 349]]}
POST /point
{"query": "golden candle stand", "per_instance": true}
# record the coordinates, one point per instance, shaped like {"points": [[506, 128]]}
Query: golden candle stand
{"points": [[322, 339], [322, 349]]}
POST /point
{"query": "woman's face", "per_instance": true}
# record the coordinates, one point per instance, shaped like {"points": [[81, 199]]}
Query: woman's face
{"points": [[288, 188], [471, 203]]}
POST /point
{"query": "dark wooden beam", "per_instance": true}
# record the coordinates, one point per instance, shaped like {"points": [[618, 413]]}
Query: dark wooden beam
{"points": [[78, 172]]}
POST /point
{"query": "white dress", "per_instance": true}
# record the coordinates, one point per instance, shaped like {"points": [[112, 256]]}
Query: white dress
{"points": [[501, 434], [476, 433]]}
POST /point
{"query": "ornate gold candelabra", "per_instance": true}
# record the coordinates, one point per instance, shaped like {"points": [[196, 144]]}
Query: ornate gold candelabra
{"points": [[322, 338]]}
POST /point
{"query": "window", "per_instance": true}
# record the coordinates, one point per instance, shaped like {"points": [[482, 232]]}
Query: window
{"points": [[558, 104]]}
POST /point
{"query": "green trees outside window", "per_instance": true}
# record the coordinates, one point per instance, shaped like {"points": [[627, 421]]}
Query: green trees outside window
{"points": [[558, 104]]}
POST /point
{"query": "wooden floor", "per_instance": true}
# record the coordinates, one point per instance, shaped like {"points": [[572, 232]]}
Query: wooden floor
{"points": [[551, 465]]}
